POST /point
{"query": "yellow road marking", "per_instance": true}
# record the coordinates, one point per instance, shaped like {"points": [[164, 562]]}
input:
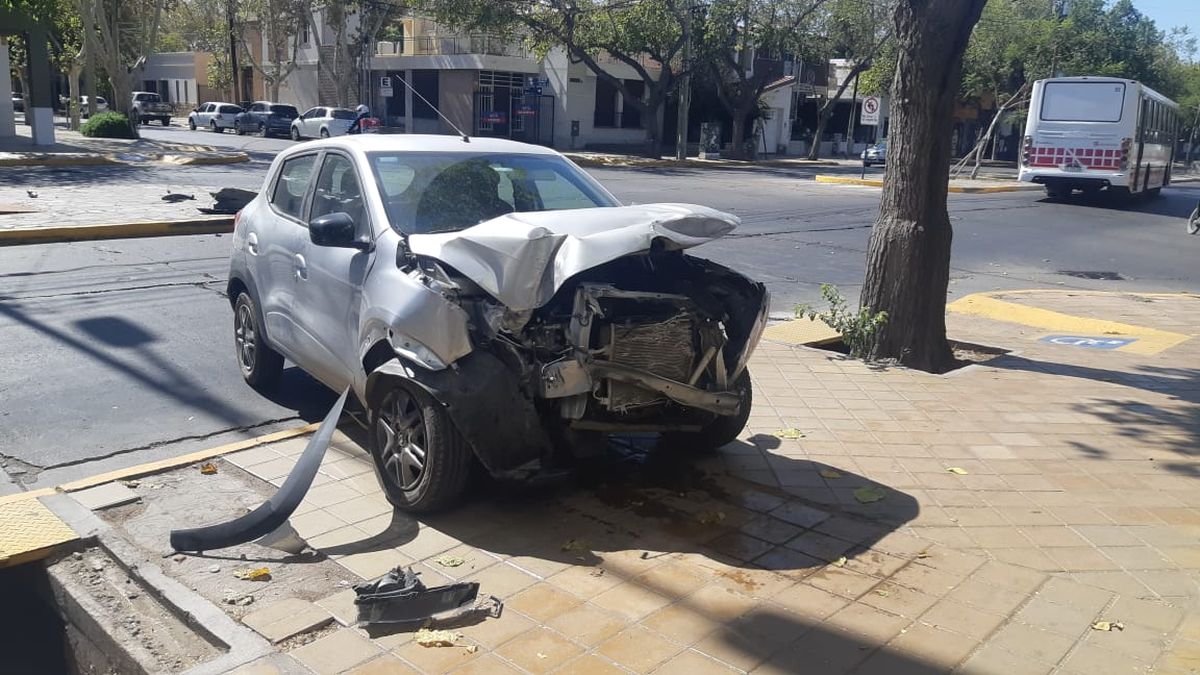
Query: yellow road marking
{"points": [[1149, 340], [802, 332]]}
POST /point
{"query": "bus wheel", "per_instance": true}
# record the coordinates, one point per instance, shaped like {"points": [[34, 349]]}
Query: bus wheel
{"points": [[1153, 192], [1054, 191]]}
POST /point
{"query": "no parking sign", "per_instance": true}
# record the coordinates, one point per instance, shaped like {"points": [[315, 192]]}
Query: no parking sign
{"points": [[868, 114]]}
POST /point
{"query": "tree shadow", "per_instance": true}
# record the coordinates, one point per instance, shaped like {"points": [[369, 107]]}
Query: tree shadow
{"points": [[1176, 429]]}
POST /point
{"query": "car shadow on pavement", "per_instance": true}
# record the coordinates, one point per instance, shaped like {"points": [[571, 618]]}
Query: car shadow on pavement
{"points": [[643, 500]]}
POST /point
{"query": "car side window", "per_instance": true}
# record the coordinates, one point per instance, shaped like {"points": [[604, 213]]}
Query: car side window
{"points": [[338, 190], [292, 184]]}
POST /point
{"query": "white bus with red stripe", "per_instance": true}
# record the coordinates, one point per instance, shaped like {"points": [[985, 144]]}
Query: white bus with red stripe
{"points": [[1095, 133]]}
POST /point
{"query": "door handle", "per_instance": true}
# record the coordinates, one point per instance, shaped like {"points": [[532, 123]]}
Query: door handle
{"points": [[301, 267], [252, 243]]}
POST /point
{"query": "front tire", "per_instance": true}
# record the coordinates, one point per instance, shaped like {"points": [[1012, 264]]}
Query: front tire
{"points": [[166, 121], [262, 130], [421, 460], [191, 124], [721, 431], [295, 134], [1193, 225], [261, 366]]}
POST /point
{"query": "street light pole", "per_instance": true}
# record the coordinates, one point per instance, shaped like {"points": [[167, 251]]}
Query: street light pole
{"points": [[685, 89], [850, 121]]}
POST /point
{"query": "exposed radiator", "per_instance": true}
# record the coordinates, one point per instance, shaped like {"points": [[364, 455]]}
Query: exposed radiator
{"points": [[663, 348]]}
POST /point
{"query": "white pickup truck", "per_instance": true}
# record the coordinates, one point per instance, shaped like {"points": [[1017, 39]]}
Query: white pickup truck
{"points": [[148, 106]]}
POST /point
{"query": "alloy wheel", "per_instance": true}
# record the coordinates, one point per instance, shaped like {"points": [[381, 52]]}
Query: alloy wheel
{"points": [[400, 430], [246, 337]]}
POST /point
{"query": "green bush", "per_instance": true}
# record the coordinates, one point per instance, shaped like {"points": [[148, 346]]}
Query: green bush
{"points": [[107, 125], [856, 328]]}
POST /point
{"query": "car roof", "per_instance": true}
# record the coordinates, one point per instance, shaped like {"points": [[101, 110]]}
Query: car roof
{"points": [[424, 143]]}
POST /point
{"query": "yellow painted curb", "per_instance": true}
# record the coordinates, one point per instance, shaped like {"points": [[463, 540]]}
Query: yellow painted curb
{"points": [[163, 464], [198, 160], [802, 332], [1149, 340], [162, 228], [875, 182]]}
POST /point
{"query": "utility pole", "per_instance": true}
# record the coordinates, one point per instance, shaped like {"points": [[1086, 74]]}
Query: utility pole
{"points": [[233, 60], [685, 89], [850, 121]]}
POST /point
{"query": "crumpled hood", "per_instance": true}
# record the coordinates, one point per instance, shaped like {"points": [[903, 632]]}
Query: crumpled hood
{"points": [[522, 259]]}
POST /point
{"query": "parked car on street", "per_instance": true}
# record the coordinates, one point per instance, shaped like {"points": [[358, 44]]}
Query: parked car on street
{"points": [[217, 117], [488, 302], [101, 105], [149, 106], [875, 154], [265, 118], [322, 122]]}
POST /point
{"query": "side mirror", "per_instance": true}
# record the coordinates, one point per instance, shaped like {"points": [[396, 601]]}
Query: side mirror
{"points": [[336, 230]]}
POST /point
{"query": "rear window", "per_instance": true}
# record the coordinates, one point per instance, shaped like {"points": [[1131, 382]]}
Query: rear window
{"points": [[229, 109], [153, 98], [343, 114], [287, 111], [1083, 101]]}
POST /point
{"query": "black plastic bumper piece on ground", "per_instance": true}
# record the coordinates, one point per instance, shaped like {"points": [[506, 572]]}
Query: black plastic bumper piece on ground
{"points": [[400, 597], [276, 510]]}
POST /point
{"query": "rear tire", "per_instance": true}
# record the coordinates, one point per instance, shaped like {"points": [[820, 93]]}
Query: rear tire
{"points": [[261, 366], [1193, 225], [212, 126], [721, 431], [166, 121], [421, 460], [262, 130], [324, 133], [1057, 192]]}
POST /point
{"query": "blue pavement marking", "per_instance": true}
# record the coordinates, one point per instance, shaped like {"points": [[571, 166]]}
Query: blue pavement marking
{"points": [[1087, 342]]}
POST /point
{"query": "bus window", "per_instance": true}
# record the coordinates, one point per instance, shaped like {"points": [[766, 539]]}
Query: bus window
{"points": [[1082, 101]]}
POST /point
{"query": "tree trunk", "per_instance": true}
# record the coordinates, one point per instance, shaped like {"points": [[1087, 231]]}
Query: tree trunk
{"points": [[908, 259], [737, 139], [823, 114], [73, 88]]}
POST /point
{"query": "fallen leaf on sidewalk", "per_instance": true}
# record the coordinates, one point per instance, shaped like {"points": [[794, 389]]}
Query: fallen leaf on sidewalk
{"points": [[711, 517], [259, 574], [1108, 625], [574, 545], [867, 495], [790, 434], [435, 638], [840, 562], [450, 561], [208, 468], [830, 474], [957, 470], [882, 594], [471, 649]]}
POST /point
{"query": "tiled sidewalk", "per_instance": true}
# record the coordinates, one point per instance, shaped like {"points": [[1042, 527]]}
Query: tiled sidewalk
{"points": [[1073, 501]]}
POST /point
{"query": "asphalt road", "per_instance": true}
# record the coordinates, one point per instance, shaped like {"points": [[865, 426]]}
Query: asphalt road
{"points": [[119, 352]]}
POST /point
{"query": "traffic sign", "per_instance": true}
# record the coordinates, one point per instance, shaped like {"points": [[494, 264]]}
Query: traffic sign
{"points": [[385, 82], [1087, 342], [869, 112]]}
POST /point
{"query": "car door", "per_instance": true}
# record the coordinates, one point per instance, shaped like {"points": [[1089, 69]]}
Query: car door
{"points": [[275, 242], [301, 124], [329, 291], [312, 125], [203, 114]]}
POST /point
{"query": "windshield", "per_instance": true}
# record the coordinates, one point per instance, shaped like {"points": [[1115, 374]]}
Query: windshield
{"points": [[342, 114], [153, 98], [1083, 101], [428, 192], [288, 111]]}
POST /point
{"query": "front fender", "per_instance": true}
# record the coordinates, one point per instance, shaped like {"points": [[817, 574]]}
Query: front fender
{"points": [[486, 405]]}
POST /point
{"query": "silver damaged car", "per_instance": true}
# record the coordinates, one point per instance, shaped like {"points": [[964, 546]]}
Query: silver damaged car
{"points": [[488, 301]]}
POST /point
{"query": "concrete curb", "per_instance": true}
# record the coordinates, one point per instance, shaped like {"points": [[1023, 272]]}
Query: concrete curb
{"points": [[162, 228], [637, 163], [99, 159], [983, 189]]}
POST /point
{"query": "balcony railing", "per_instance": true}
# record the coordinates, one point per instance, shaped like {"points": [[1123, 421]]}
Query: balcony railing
{"points": [[437, 45]]}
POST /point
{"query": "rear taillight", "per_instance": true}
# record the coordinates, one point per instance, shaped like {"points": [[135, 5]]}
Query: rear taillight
{"points": [[1126, 144], [1026, 148], [237, 218]]}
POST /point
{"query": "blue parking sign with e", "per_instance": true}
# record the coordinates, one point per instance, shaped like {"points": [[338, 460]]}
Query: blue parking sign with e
{"points": [[1088, 342]]}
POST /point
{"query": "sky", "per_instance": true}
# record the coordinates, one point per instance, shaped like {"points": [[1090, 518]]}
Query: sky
{"points": [[1170, 13]]}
